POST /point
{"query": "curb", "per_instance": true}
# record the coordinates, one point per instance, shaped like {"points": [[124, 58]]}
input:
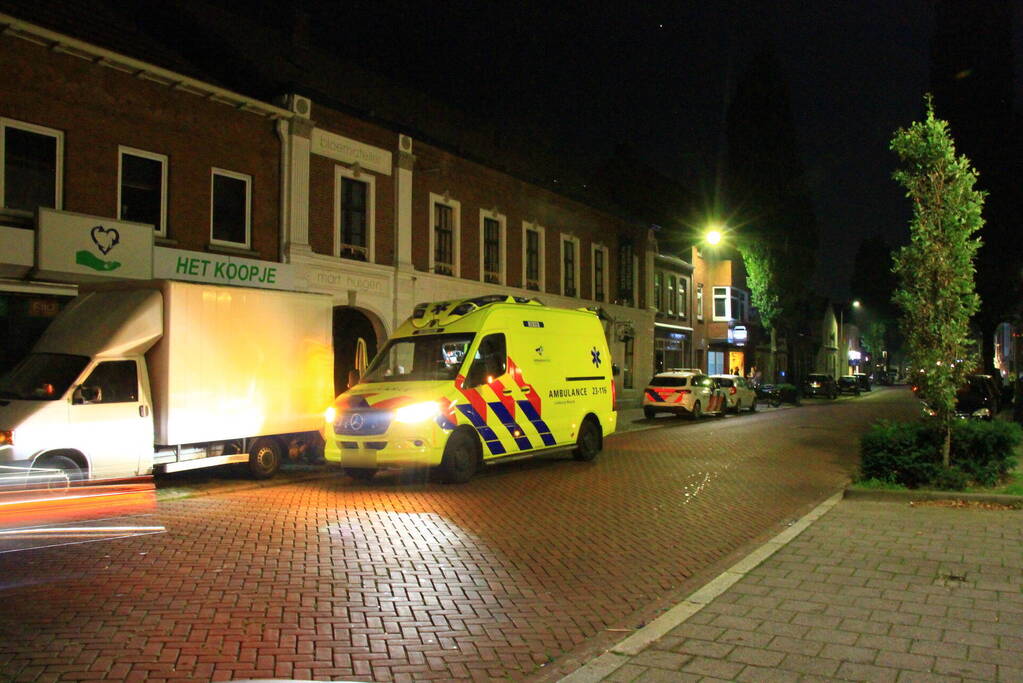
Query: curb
{"points": [[882, 496], [177, 493], [618, 655]]}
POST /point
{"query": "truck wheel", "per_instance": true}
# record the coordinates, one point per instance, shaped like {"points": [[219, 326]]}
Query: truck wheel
{"points": [[589, 441], [66, 465], [461, 458], [649, 413], [264, 458], [363, 474]]}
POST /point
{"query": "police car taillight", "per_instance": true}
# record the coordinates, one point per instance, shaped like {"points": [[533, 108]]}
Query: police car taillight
{"points": [[731, 390]]}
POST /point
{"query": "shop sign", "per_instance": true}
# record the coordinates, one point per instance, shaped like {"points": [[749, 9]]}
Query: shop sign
{"points": [[75, 246], [220, 269], [351, 151], [738, 335]]}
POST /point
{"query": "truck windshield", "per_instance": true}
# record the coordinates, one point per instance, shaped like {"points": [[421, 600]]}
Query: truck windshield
{"points": [[411, 359], [42, 376]]}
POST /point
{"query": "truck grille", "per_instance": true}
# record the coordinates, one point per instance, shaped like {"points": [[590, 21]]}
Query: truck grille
{"points": [[363, 423]]}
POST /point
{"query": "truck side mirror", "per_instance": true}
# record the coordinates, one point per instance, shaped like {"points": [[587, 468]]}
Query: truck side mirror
{"points": [[615, 370], [353, 378]]}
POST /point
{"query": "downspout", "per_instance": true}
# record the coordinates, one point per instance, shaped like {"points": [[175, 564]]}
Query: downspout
{"points": [[285, 225]]}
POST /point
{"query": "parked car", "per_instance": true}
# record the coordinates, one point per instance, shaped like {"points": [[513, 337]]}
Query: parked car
{"points": [[994, 387], [680, 393], [974, 400], [770, 394], [849, 384], [864, 381], [738, 393], [820, 385]]}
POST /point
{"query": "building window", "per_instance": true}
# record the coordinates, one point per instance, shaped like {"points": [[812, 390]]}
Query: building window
{"points": [[683, 298], [658, 294], [444, 235], [721, 303], [142, 188], [230, 211], [354, 214], [625, 272], [492, 247], [672, 280], [730, 303], [699, 301], [599, 272], [33, 167], [716, 363], [533, 257], [569, 265]]}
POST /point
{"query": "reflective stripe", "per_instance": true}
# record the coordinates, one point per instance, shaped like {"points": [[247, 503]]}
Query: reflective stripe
{"points": [[534, 418], [488, 435], [502, 414]]}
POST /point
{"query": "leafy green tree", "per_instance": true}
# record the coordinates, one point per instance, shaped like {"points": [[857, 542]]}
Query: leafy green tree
{"points": [[935, 270], [762, 280]]}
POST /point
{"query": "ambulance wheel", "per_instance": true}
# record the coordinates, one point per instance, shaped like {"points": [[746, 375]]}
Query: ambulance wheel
{"points": [[649, 413], [697, 411], [363, 474], [461, 458], [588, 443], [264, 458]]}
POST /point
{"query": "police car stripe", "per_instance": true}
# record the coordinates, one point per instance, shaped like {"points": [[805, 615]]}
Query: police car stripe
{"points": [[489, 437], [502, 414], [541, 427]]}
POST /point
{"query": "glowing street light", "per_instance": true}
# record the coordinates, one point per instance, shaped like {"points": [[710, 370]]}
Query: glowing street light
{"points": [[713, 237]]}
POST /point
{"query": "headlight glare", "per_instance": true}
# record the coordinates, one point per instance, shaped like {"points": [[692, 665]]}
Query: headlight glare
{"points": [[330, 414], [417, 412]]}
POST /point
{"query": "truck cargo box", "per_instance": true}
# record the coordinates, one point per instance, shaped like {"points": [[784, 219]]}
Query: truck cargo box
{"points": [[237, 362]]}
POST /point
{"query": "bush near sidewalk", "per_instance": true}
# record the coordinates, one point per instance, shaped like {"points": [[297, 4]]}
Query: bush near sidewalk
{"points": [[909, 453]]}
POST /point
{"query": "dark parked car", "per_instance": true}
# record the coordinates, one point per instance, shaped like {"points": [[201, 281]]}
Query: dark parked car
{"points": [[849, 384], [820, 385], [974, 400], [864, 381]]}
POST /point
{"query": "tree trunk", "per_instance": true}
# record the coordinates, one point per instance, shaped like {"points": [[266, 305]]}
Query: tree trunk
{"points": [[771, 379], [946, 443]]}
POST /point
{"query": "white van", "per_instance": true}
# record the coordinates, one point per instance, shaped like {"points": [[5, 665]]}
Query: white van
{"points": [[170, 376]]}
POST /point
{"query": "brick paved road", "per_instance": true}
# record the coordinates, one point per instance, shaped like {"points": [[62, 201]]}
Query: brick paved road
{"points": [[403, 580]]}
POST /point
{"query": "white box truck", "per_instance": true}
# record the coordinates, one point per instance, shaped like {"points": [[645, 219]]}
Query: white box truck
{"points": [[162, 375]]}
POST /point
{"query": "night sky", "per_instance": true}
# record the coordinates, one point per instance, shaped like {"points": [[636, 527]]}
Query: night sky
{"points": [[657, 77]]}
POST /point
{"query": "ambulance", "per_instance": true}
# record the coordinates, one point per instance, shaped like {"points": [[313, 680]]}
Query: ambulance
{"points": [[467, 382]]}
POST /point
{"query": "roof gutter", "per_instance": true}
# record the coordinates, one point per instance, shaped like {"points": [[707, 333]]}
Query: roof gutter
{"points": [[57, 42]]}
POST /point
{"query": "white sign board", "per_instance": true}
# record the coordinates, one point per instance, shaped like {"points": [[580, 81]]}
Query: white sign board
{"points": [[75, 246], [351, 151], [196, 266]]}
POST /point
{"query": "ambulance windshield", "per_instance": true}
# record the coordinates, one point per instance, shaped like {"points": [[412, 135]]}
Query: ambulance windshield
{"points": [[416, 359]]}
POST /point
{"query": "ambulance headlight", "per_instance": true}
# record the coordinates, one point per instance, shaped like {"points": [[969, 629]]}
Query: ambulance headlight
{"points": [[330, 414], [417, 412]]}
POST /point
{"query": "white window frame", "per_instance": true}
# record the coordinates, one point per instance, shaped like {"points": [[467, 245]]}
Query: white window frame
{"points": [[371, 208], [456, 228], [214, 172], [721, 293], [728, 293], [699, 301], [502, 232], [542, 256], [593, 271], [683, 304], [161, 229], [565, 237], [58, 186]]}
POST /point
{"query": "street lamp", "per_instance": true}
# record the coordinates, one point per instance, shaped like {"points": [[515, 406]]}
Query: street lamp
{"points": [[844, 352], [713, 237]]}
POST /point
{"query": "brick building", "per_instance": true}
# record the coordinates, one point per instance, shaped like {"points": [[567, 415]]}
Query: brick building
{"points": [[328, 201]]}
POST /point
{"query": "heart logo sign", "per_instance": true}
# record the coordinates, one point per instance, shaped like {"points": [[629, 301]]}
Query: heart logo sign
{"points": [[105, 238]]}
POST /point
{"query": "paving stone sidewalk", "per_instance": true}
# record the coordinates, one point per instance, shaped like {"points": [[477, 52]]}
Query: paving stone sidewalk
{"points": [[870, 591]]}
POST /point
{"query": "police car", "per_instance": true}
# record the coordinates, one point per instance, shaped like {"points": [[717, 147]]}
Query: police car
{"points": [[682, 392]]}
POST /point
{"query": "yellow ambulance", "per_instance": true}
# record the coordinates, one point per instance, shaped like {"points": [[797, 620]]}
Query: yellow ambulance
{"points": [[478, 380]]}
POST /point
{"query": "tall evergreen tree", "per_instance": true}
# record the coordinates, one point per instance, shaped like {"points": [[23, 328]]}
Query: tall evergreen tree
{"points": [[935, 270], [775, 227]]}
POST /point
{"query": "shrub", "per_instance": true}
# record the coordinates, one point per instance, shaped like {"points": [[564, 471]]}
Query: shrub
{"points": [[909, 453], [788, 393], [985, 451]]}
